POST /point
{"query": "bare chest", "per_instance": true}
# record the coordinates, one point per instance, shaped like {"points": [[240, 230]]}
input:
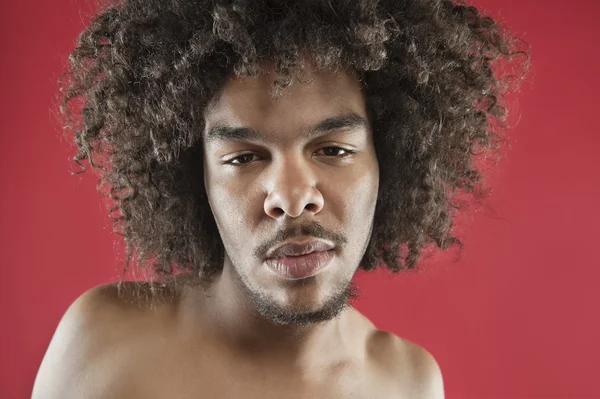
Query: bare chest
{"points": [[211, 377]]}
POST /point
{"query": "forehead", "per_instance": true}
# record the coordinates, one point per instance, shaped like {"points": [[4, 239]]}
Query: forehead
{"points": [[247, 102]]}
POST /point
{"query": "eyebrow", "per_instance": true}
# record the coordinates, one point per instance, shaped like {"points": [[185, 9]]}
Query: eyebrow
{"points": [[229, 133]]}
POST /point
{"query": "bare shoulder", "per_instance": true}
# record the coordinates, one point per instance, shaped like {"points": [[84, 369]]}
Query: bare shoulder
{"points": [[414, 368], [84, 353]]}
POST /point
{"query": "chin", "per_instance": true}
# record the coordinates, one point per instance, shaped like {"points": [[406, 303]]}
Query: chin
{"points": [[301, 302]]}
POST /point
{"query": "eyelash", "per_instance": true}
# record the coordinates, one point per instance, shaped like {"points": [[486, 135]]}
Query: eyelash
{"points": [[239, 165]]}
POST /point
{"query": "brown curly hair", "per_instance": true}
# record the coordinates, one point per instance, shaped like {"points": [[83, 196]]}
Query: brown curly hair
{"points": [[143, 71]]}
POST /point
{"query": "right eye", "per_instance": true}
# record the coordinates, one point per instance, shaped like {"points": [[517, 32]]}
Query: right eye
{"points": [[240, 158]]}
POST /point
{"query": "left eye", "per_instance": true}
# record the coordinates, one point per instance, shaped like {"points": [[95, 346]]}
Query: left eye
{"points": [[336, 149], [238, 161]]}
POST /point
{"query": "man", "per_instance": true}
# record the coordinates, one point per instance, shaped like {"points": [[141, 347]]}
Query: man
{"points": [[258, 154]]}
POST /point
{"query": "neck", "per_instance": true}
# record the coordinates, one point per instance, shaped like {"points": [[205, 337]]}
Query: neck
{"points": [[226, 313]]}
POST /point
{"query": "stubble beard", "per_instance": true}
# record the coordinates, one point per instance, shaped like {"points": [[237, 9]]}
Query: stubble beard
{"points": [[271, 310]]}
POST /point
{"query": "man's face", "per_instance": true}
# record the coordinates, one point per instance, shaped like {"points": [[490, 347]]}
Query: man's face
{"points": [[291, 187]]}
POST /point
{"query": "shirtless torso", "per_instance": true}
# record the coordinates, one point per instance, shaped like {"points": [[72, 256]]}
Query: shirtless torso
{"points": [[108, 347]]}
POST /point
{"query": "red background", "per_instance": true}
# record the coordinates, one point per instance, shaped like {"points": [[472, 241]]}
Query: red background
{"points": [[517, 316]]}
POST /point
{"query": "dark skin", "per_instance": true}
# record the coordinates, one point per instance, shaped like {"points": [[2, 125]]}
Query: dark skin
{"points": [[219, 342]]}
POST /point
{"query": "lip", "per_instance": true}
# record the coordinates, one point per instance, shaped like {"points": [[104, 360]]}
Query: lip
{"points": [[299, 248], [299, 267]]}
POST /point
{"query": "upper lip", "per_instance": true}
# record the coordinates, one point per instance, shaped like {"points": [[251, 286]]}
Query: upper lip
{"points": [[294, 248]]}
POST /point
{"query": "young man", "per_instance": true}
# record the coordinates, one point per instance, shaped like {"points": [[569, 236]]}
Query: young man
{"points": [[258, 154]]}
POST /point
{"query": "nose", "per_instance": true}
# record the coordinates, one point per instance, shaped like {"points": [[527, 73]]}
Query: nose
{"points": [[293, 190]]}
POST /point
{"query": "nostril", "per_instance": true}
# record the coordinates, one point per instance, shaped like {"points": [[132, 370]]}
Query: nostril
{"points": [[310, 207]]}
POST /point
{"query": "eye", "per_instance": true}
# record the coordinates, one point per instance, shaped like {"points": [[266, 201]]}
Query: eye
{"points": [[239, 160], [347, 152]]}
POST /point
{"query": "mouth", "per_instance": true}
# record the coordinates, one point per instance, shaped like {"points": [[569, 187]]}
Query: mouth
{"points": [[295, 248], [300, 266]]}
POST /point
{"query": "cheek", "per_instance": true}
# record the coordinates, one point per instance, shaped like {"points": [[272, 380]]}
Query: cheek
{"points": [[229, 207], [359, 194], [361, 205], [224, 205]]}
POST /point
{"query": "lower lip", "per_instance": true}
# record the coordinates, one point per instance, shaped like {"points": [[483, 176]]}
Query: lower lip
{"points": [[303, 266]]}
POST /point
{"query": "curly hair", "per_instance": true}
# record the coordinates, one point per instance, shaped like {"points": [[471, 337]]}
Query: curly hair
{"points": [[143, 71]]}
